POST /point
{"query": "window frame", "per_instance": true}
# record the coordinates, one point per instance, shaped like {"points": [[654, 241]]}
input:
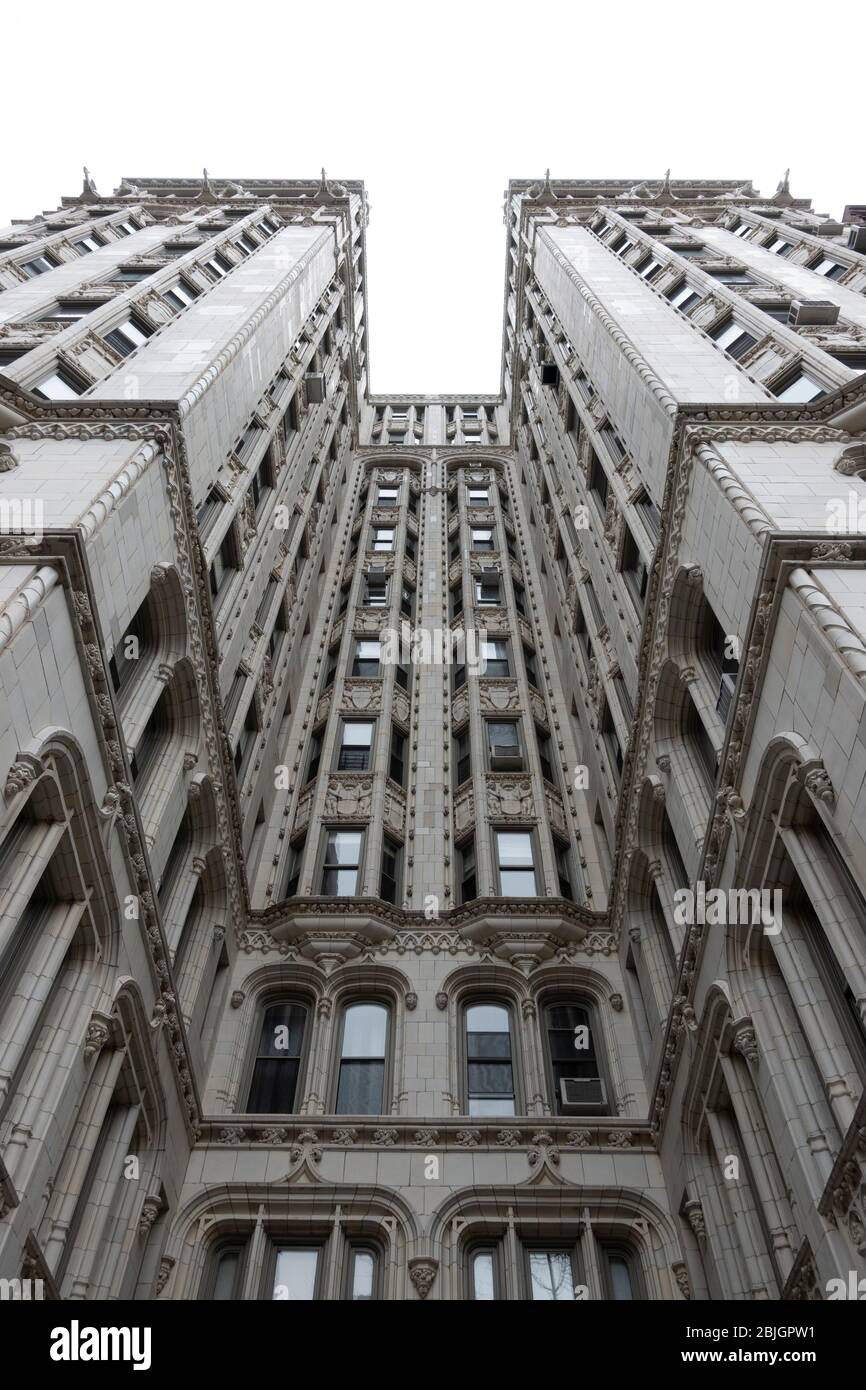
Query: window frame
{"points": [[346, 1003], [497, 1001], [267, 1000]]}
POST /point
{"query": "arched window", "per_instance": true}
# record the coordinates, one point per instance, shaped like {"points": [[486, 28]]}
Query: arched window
{"points": [[363, 1052], [274, 1085], [484, 1276], [226, 1270], [576, 1076], [490, 1083], [620, 1272]]}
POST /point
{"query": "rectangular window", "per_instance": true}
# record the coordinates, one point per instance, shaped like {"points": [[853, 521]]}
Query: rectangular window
{"points": [[387, 497], [466, 868], [209, 510], [180, 294], [482, 539], [598, 484], [801, 387], [218, 266], [462, 758], [222, 569], [375, 591], [341, 863], [128, 335], [245, 244], [516, 864], [383, 538], [489, 1066], [38, 266], [390, 875], [479, 497], [830, 269], [59, 385], [367, 658], [684, 297], [634, 570], [87, 244], [361, 1083], [649, 268], [487, 593], [611, 739], [650, 513], [293, 865], [494, 659], [397, 763], [551, 1276], [733, 338], [779, 246], [544, 746], [295, 1274], [503, 745], [356, 746]]}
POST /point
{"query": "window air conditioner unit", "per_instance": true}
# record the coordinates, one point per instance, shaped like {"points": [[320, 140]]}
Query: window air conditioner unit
{"points": [[583, 1095], [812, 313], [727, 687], [315, 383], [857, 239], [505, 757]]}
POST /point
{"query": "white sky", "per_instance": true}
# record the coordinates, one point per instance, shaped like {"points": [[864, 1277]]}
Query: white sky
{"points": [[435, 108]]}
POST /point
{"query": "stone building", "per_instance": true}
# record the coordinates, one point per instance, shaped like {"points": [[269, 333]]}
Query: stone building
{"points": [[433, 831]]}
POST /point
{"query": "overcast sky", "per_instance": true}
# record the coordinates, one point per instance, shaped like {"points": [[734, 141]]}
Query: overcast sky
{"points": [[435, 108]]}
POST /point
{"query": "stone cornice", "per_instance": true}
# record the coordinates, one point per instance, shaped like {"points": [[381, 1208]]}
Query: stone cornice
{"points": [[572, 1134]]}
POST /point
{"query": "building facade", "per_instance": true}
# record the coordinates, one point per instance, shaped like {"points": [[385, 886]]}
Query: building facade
{"points": [[433, 831]]}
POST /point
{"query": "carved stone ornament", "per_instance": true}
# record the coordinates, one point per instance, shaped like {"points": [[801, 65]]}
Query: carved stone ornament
{"points": [[422, 1272], [166, 1265], [509, 797], [150, 1210], [694, 1214], [442, 1001], [96, 1037], [746, 1043], [25, 770], [681, 1274], [237, 998], [349, 797]]}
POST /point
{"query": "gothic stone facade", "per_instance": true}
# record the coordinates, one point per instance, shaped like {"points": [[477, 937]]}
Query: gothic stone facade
{"points": [[334, 966]]}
